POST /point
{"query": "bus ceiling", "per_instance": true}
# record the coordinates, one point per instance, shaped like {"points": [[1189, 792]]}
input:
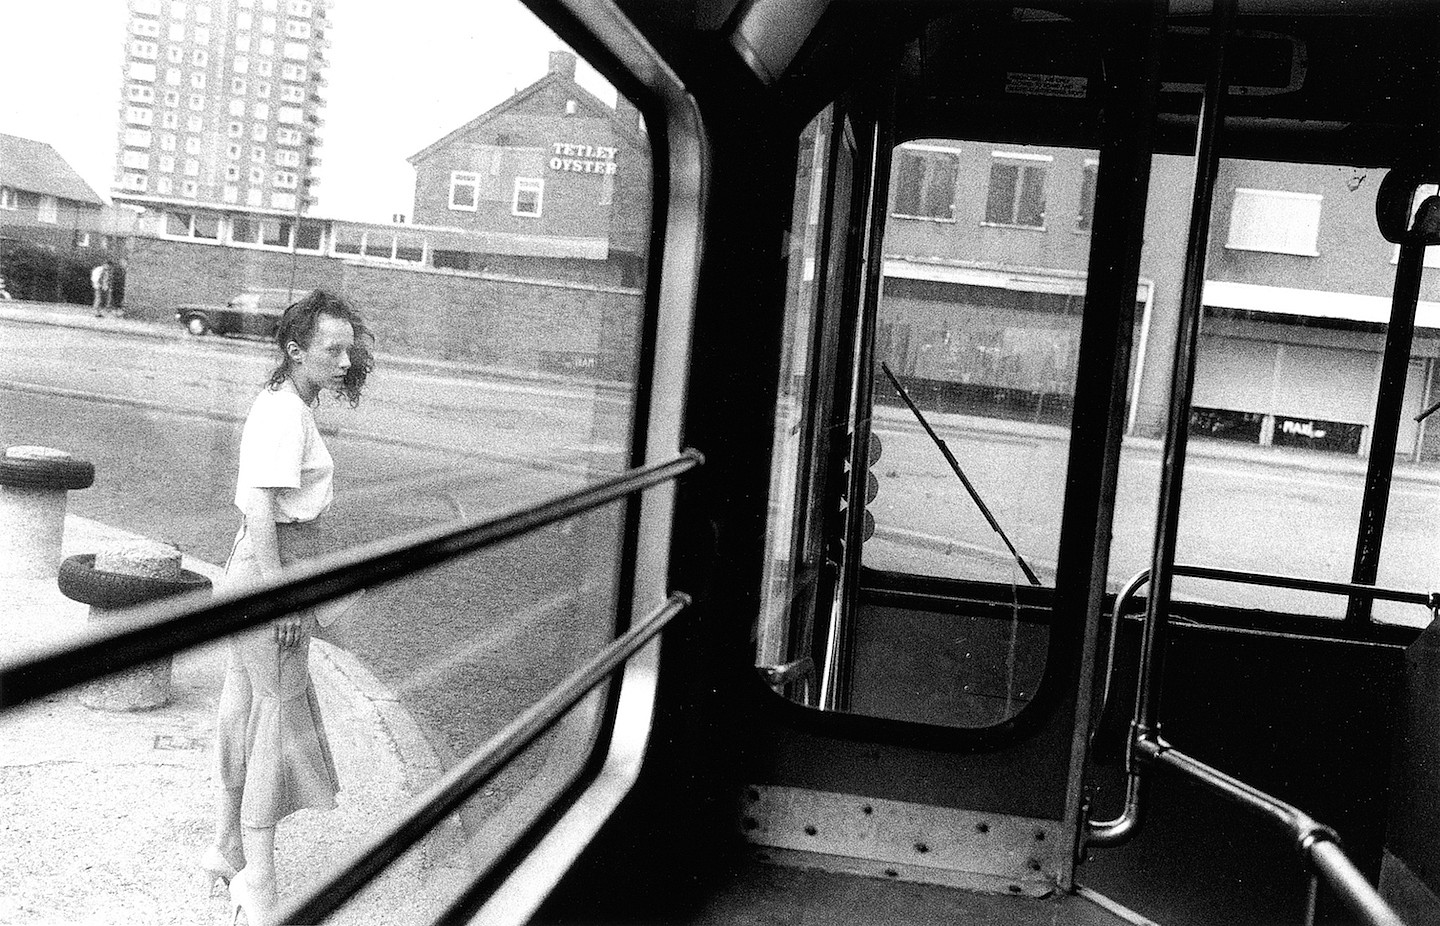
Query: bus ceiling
{"points": [[999, 70]]}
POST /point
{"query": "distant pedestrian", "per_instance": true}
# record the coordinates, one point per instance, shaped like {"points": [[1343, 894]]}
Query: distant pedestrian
{"points": [[102, 278], [273, 757]]}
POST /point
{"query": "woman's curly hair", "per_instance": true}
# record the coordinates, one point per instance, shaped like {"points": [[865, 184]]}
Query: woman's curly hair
{"points": [[298, 325]]}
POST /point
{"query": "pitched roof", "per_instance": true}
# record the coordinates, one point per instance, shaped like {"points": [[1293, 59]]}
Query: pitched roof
{"points": [[34, 166], [584, 97]]}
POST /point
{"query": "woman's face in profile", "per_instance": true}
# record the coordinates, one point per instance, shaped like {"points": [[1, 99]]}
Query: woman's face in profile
{"points": [[324, 363]]}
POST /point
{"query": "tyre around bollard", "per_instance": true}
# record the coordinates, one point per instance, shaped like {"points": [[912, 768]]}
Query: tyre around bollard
{"points": [[33, 486], [125, 576]]}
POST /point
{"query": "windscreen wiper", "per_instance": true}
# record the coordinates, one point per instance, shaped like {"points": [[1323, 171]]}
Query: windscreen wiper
{"points": [[955, 465]]}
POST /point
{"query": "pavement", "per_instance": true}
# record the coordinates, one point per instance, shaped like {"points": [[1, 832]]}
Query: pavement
{"points": [[105, 813]]}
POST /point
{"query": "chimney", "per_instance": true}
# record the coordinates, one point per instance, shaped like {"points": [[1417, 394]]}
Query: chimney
{"points": [[562, 64]]}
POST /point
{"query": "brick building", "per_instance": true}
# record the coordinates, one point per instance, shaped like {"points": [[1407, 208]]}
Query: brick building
{"points": [[53, 226], [985, 262]]}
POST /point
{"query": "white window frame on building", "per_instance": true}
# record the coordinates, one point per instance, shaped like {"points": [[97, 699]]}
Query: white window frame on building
{"points": [[460, 180], [534, 185], [48, 209], [926, 177], [1016, 176], [9, 199], [1085, 210], [1275, 222]]}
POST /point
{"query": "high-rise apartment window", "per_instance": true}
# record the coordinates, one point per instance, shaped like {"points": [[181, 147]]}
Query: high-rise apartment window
{"points": [[237, 107], [287, 158], [142, 49], [177, 9], [140, 70], [257, 175], [167, 163], [297, 30], [136, 182], [163, 186], [290, 114], [139, 115], [194, 123], [242, 43], [286, 136], [192, 145], [264, 68], [262, 111], [233, 151], [297, 51], [48, 210], [202, 14], [268, 25], [191, 189], [1017, 189], [529, 196], [169, 120], [299, 8], [139, 94], [202, 35], [192, 167], [267, 46], [244, 21], [237, 85], [231, 194], [167, 142], [198, 58], [291, 93], [1086, 213], [232, 172], [464, 190], [138, 138], [147, 27], [172, 97], [286, 180], [172, 76], [177, 32], [262, 89], [257, 154], [1277, 221], [235, 130], [925, 181], [140, 160], [241, 64], [259, 131], [175, 54], [254, 197], [197, 102]]}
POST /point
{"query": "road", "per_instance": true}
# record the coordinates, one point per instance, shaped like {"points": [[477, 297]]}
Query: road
{"points": [[464, 646], [1258, 509]]}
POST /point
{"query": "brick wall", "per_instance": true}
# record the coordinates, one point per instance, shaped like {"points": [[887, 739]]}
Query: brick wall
{"points": [[539, 327]]}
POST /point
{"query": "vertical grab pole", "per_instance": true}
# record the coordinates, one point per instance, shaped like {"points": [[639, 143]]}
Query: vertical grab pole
{"points": [[1383, 438], [1146, 725]]}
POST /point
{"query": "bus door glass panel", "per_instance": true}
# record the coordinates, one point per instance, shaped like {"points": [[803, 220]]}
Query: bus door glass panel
{"points": [[493, 231], [795, 551], [985, 255], [1296, 305]]}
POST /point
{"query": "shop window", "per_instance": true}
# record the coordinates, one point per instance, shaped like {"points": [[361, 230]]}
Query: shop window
{"points": [[1017, 190], [1313, 434], [1276, 221], [308, 236], [529, 196], [348, 240], [1226, 424], [925, 178], [464, 190]]}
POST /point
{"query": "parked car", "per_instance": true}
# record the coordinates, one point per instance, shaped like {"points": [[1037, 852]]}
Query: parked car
{"points": [[253, 313]]}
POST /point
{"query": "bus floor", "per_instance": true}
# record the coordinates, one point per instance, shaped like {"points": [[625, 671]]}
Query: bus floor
{"points": [[764, 894]]}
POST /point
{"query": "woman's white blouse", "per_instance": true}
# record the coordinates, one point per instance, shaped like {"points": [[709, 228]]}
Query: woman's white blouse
{"points": [[281, 448]]}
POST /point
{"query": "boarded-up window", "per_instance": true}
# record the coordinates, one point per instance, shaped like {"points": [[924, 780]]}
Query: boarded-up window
{"points": [[1277, 221]]}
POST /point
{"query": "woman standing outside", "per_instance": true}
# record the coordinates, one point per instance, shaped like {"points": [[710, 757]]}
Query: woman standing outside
{"points": [[273, 756]]}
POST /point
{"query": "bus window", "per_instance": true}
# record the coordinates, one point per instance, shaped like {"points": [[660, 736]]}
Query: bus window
{"points": [[1296, 305], [481, 196]]}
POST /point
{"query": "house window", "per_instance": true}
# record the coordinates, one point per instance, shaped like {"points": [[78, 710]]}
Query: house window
{"points": [[8, 198], [1086, 212], [464, 190], [529, 196], [49, 209], [1017, 190], [925, 182], [1276, 221], [82, 239]]}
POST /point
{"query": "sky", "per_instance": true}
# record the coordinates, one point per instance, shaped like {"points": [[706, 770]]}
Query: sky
{"points": [[396, 83]]}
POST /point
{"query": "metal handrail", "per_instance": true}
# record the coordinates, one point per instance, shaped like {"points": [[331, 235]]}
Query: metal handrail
{"points": [[1318, 845], [1244, 577], [446, 795], [181, 622]]}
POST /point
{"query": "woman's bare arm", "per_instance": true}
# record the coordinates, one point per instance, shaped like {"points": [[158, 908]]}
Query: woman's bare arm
{"points": [[259, 509]]}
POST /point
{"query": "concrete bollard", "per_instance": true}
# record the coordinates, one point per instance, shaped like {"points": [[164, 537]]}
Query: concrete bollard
{"points": [[33, 486], [130, 574]]}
